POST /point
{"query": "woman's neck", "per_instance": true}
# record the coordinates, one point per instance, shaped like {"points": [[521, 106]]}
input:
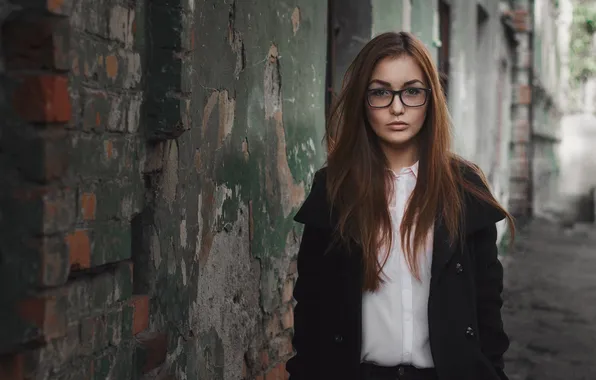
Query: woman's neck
{"points": [[401, 157]]}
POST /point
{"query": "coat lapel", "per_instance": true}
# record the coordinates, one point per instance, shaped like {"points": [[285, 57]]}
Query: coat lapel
{"points": [[442, 250], [477, 215]]}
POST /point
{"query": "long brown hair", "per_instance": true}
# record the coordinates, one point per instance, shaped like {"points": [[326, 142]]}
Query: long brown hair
{"points": [[356, 166]]}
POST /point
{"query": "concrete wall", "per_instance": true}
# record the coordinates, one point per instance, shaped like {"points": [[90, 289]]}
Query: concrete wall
{"points": [[222, 242], [154, 155], [577, 155], [352, 24], [578, 136], [521, 189], [462, 77], [482, 60], [547, 107], [356, 22]]}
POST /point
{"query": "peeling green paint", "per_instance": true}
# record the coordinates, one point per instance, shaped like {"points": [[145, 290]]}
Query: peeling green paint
{"points": [[241, 169]]}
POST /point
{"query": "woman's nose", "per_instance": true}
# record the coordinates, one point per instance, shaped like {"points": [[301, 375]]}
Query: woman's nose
{"points": [[397, 106]]}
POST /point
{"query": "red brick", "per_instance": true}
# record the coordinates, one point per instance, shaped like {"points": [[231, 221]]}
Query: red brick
{"points": [[153, 349], [43, 98], [287, 292], [264, 359], [79, 249], [59, 7], [521, 20], [288, 319], [46, 314], [88, 202], [35, 41], [277, 373], [273, 327], [11, 367], [524, 94], [140, 319], [283, 346]]}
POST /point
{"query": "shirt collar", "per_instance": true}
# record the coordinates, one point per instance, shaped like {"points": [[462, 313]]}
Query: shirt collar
{"points": [[410, 169]]}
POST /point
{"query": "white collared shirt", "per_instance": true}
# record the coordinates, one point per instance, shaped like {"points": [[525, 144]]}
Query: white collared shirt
{"points": [[395, 318]]}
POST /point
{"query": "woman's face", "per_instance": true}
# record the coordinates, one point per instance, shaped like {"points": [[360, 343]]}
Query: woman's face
{"points": [[398, 124]]}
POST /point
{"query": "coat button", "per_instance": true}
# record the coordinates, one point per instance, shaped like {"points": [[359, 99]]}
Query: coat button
{"points": [[401, 371], [459, 268], [470, 333], [339, 338]]}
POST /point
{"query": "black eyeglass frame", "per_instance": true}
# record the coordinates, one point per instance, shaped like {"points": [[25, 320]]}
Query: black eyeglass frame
{"points": [[397, 92]]}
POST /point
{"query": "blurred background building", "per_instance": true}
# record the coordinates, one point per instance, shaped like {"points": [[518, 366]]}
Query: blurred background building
{"points": [[153, 154], [578, 124]]}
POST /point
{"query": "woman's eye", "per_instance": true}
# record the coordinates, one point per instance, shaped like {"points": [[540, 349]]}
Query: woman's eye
{"points": [[413, 91], [379, 92]]}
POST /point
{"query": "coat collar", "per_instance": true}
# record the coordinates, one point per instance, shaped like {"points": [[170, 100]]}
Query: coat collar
{"points": [[477, 215]]}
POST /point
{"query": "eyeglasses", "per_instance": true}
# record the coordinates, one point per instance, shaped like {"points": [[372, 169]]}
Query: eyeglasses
{"points": [[410, 97]]}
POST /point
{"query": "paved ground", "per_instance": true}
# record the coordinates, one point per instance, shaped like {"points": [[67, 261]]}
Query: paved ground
{"points": [[550, 304]]}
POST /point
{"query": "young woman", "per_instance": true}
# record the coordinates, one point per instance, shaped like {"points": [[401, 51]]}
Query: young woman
{"points": [[398, 276]]}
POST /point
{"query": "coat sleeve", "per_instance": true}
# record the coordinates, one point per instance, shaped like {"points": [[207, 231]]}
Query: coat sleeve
{"points": [[305, 363], [489, 283]]}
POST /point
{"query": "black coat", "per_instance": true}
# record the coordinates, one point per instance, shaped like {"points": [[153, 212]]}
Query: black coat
{"points": [[464, 308]]}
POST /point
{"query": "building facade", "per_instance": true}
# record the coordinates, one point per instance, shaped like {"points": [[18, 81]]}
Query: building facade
{"points": [[578, 126], [548, 92], [154, 153]]}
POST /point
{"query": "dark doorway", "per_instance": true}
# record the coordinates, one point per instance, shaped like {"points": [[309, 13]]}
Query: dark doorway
{"points": [[445, 35], [349, 25]]}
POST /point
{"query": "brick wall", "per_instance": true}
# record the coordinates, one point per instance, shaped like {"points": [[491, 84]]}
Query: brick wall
{"points": [[520, 202], [153, 154], [70, 151]]}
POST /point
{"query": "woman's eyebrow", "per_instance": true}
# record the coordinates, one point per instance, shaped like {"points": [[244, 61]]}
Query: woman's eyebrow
{"points": [[412, 82], [387, 84], [381, 82]]}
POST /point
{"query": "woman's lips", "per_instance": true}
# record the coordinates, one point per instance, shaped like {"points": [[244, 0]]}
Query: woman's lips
{"points": [[398, 126]]}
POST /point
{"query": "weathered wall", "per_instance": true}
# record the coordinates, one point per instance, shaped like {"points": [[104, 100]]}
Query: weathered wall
{"points": [[480, 89], [72, 156], [576, 155], [495, 63], [356, 22], [352, 21], [520, 201], [578, 166], [547, 108], [220, 237], [167, 142], [462, 81]]}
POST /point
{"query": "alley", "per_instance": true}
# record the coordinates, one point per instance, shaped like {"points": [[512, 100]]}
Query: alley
{"points": [[550, 304]]}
